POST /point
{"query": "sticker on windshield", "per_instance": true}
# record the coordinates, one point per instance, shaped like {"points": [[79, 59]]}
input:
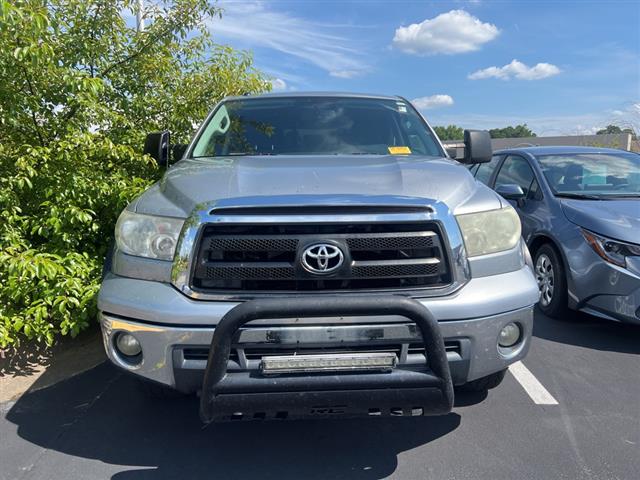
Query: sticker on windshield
{"points": [[402, 108], [399, 150]]}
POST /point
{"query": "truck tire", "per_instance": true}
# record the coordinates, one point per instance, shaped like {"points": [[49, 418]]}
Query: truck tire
{"points": [[485, 383], [552, 282]]}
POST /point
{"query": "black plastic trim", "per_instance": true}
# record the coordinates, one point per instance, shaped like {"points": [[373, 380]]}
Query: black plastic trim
{"points": [[431, 389]]}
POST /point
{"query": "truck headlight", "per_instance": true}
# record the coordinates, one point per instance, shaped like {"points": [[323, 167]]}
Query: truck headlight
{"points": [[609, 250], [491, 231], [148, 235]]}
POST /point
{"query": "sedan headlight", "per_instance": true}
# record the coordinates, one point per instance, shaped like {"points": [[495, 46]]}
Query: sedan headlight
{"points": [[490, 232], [147, 235], [609, 250]]}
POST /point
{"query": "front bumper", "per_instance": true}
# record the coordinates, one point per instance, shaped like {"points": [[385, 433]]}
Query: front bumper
{"points": [[177, 356], [601, 288]]}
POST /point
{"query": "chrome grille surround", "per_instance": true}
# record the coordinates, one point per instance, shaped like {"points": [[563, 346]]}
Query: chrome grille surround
{"points": [[185, 261]]}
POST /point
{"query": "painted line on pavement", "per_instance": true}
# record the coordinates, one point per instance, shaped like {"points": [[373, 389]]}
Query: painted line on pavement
{"points": [[531, 385]]}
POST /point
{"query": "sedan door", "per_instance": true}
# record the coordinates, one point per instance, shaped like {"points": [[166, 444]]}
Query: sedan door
{"points": [[516, 170]]}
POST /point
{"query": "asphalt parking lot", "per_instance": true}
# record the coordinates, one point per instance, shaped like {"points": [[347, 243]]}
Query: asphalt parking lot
{"points": [[587, 426]]}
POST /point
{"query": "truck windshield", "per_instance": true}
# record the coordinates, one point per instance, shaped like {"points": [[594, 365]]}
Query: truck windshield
{"points": [[588, 175], [316, 126]]}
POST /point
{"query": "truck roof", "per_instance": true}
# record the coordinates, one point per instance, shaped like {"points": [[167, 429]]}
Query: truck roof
{"points": [[315, 94]]}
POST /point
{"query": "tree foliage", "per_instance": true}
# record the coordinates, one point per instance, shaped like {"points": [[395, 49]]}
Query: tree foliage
{"points": [[450, 132], [80, 89], [614, 129], [519, 131], [453, 132]]}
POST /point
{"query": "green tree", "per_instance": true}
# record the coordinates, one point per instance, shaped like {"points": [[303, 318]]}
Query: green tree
{"points": [[450, 132], [80, 89], [519, 131], [614, 129]]}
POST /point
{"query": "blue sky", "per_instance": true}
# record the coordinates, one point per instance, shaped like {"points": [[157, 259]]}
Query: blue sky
{"points": [[562, 67]]}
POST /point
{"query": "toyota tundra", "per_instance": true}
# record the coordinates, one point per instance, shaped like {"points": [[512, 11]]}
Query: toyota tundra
{"points": [[317, 255]]}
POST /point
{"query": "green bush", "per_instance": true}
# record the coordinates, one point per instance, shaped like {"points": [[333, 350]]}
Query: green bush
{"points": [[59, 204], [80, 89]]}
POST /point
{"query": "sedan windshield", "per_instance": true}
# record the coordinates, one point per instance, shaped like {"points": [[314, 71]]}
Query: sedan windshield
{"points": [[593, 175], [316, 126]]}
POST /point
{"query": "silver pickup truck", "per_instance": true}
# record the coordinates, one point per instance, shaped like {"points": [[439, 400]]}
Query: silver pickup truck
{"points": [[317, 255]]}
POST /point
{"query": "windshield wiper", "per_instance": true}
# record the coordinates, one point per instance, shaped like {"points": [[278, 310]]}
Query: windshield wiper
{"points": [[579, 196]]}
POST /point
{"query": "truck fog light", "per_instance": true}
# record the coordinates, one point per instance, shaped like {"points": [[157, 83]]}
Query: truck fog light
{"points": [[509, 335], [128, 345]]}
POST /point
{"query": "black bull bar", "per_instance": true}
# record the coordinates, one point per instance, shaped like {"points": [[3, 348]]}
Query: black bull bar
{"points": [[400, 392]]}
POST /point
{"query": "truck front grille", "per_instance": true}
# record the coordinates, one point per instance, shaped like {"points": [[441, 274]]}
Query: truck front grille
{"points": [[246, 258]]}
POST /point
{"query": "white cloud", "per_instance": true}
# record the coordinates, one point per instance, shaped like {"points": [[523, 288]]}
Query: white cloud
{"points": [[252, 25], [517, 70], [344, 73], [453, 32], [278, 85], [627, 116], [434, 101]]}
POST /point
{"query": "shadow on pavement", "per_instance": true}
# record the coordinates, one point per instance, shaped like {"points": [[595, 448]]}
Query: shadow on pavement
{"points": [[101, 414], [587, 331]]}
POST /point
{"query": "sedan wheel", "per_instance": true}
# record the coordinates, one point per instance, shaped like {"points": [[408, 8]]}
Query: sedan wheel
{"points": [[545, 279], [552, 283]]}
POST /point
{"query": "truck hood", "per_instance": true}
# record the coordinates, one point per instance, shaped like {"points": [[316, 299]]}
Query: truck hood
{"points": [[617, 219], [307, 180]]}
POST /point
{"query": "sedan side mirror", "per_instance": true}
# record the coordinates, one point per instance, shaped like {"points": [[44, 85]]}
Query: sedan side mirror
{"points": [[477, 147], [156, 145], [511, 191]]}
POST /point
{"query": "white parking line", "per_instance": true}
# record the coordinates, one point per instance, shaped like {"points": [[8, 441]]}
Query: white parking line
{"points": [[531, 385]]}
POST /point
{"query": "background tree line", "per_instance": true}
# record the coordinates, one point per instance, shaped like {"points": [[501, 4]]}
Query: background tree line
{"points": [[453, 132], [79, 90]]}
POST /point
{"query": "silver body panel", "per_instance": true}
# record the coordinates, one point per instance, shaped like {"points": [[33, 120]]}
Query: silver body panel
{"points": [[155, 302], [158, 342]]}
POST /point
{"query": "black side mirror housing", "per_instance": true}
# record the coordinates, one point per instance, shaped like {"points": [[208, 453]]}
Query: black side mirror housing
{"points": [[477, 147], [177, 151], [156, 145], [511, 191]]}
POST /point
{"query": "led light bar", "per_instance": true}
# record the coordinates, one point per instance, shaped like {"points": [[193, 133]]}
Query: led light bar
{"points": [[339, 362]]}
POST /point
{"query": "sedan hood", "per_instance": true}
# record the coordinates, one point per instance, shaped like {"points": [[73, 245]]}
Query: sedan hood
{"points": [[308, 180], [617, 219]]}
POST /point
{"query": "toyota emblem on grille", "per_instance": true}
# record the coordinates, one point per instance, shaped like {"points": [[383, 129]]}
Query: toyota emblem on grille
{"points": [[322, 258]]}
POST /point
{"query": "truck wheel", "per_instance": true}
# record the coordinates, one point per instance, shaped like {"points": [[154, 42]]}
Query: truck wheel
{"points": [[552, 282], [485, 383], [155, 391]]}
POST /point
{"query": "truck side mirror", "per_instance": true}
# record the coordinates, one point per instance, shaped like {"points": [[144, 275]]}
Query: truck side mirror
{"points": [[177, 151], [477, 147], [156, 145], [452, 152]]}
